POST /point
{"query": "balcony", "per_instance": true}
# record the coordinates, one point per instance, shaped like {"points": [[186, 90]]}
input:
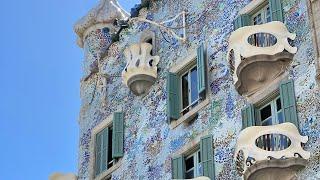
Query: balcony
{"points": [[140, 72], [270, 152], [258, 55]]}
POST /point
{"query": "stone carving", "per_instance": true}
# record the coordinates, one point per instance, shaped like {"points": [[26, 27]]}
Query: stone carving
{"points": [[256, 64], [141, 69], [105, 13], [246, 144]]}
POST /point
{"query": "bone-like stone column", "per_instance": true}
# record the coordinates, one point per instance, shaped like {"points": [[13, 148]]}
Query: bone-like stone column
{"points": [[314, 15]]}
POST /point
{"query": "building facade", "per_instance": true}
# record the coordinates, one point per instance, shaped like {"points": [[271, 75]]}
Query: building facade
{"points": [[200, 88]]}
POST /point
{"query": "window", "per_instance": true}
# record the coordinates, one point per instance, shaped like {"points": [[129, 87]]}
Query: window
{"points": [[255, 14], [186, 87], [271, 114], [193, 165], [189, 90], [262, 39], [262, 16], [103, 153], [276, 110], [198, 163], [108, 145]]}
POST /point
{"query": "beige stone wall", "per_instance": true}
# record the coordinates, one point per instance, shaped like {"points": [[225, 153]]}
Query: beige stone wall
{"points": [[314, 11]]}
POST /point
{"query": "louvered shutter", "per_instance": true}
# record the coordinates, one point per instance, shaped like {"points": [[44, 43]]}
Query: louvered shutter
{"points": [[117, 135], [201, 70], [178, 167], [241, 20], [276, 10], [101, 151], [248, 118], [207, 158], [98, 153], [288, 102], [173, 99], [104, 155]]}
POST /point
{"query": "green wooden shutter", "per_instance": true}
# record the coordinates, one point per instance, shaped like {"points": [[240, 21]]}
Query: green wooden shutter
{"points": [[98, 153], [276, 10], [241, 20], [207, 158], [247, 114], [173, 99], [117, 134], [201, 70], [178, 167], [288, 102], [101, 151], [104, 155]]}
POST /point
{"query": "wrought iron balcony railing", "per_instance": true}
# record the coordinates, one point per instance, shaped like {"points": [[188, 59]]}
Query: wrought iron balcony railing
{"points": [[258, 144]]}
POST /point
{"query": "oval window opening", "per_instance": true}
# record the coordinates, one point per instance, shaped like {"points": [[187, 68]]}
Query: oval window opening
{"points": [[262, 40], [273, 142]]}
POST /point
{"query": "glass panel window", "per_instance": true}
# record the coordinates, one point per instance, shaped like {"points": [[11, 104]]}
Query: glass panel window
{"points": [[271, 114], [262, 39], [268, 14], [110, 160], [189, 89], [265, 112], [194, 85], [190, 167], [193, 165], [262, 16], [185, 90]]}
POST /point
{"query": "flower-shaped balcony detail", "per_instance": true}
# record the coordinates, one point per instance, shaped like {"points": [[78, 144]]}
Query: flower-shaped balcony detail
{"points": [[264, 151], [258, 55], [140, 72]]}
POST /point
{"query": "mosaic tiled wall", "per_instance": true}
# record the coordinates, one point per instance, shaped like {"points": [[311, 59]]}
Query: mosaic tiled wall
{"points": [[149, 141]]}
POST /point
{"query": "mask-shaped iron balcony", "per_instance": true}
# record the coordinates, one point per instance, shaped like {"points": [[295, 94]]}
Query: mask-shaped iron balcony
{"points": [[270, 152], [140, 72], [258, 55]]}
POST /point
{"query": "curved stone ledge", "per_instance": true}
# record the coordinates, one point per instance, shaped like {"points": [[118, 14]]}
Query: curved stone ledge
{"points": [[258, 71], [257, 62], [284, 169]]}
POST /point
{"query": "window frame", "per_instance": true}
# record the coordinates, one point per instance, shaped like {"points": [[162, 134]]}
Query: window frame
{"points": [[274, 112], [196, 164], [180, 66], [271, 142], [263, 10], [191, 104], [106, 123]]}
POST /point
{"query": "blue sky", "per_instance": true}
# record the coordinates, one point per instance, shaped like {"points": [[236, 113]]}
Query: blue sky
{"points": [[40, 73]]}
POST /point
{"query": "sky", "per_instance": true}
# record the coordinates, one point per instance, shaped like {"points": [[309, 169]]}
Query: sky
{"points": [[40, 71]]}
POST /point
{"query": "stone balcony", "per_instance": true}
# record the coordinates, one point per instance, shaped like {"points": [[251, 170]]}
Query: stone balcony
{"points": [[258, 55], [140, 72], [270, 152]]}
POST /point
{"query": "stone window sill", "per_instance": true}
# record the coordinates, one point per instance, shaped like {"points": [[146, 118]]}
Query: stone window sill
{"points": [[106, 174], [190, 115]]}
